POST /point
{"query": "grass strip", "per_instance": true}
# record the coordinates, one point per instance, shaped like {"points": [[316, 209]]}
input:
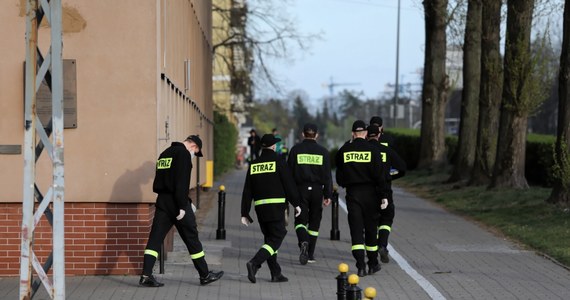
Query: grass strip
{"points": [[520, 215]]}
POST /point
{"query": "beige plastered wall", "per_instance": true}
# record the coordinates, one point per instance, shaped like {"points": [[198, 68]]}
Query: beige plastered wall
{"points": [[121, 49]]}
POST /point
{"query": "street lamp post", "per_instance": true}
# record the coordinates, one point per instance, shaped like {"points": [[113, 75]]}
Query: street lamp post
{"points": [[397, 86]]}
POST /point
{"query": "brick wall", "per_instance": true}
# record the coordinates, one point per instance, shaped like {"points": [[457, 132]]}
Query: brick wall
{"points": [[100, 238]]}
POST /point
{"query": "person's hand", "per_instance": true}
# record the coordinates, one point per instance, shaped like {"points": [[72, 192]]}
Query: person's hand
{"points": [[326, 202], [245, 221], [384, 203], [297, 211], [181, 215]]}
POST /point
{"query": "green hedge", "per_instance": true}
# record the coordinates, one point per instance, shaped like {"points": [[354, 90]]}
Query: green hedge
{"points": [[225, 141], [539, 153]]}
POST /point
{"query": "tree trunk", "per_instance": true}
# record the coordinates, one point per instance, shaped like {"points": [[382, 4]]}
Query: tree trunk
{"points": [[489, 95], [470, 95], [435, 86], [510, 162], [561, 191]]}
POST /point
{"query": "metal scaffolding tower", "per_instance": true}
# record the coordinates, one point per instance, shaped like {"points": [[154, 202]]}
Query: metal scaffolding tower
{"points": [[48, 69]]}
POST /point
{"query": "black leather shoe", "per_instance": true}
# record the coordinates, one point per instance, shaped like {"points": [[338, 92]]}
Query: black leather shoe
{"points": [[374, 269], [304, 257], [361, 272], [149, 281], [279, 278], [251, 271], [212, 276], [384, 255]]}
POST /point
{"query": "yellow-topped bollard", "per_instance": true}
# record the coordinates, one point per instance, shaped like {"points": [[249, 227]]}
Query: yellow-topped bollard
{"points": [[353, 292], [353, 279], [343, 268], [342, 281], [222, 188], [370, 293]]}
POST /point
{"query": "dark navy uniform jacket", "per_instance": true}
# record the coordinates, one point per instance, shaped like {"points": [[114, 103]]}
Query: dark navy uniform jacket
{"points": [[359, 163], [172, 179], [270, 185], [391, 161], [387, 140], [309, 163]]}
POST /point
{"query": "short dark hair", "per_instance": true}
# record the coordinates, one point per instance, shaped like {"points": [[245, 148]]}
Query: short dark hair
{"points": [[309, 134]]}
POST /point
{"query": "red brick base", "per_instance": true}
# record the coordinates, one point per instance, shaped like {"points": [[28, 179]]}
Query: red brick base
{"points": [[100, 238]]}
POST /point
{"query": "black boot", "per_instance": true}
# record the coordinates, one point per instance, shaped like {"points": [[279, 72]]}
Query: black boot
{"points": [[149, 281], [279, 278], [251, 271], [211, 277]]}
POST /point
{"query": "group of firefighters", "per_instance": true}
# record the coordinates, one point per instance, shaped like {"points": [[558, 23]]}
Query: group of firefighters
{"points": [[365, 167]]}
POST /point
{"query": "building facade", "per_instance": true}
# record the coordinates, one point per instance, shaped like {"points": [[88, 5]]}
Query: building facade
{"points": [[141, 78], [232, 87]]}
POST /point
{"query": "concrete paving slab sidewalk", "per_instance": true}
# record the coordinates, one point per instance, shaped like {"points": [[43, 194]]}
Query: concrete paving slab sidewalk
{"points": [[434, 255]]}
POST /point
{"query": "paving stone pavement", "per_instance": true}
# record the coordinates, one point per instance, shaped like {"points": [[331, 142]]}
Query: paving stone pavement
{"points": [[434, 255]]}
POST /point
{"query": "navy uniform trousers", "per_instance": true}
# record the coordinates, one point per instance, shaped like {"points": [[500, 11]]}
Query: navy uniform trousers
{"points": [[385, 222], [311, 214], [363, 213], [273, 234], [188, 230]]}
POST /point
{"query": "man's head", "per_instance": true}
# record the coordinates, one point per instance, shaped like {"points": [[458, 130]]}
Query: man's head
{"points": [[310, 131], [373, 132], [376, 121], [252, 132], [193, 144], [358, 129], [268, 141], [274, 131]]}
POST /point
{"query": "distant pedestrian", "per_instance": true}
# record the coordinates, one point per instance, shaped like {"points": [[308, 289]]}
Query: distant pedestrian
{"points": [[360, 172], [174, 208], [278, 145], [394, 168], [254, 144], [310, 165], [270, 185]]}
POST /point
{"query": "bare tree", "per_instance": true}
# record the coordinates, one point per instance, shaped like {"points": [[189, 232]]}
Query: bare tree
{"points": [[490, 93], [265, 32], [519, 92], [561, 191], [465, 155], [435, 86]]}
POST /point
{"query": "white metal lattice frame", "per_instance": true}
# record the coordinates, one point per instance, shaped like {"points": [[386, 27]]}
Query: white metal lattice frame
{"points": [[36, 138]]}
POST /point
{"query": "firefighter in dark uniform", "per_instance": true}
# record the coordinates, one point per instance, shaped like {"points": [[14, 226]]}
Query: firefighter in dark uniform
{"points": [[385, 139], [173, 207], [310, 165], [394, 168], [270, 185], [360, 172]]}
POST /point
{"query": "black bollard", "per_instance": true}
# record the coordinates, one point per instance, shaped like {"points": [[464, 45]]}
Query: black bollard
{"points": [[335, 233], [341, 282], [197, 182], [353, 292], [161, 258], [221, 232]]}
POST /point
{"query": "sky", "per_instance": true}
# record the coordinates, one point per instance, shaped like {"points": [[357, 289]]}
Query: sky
{"points": [[357, 49]]}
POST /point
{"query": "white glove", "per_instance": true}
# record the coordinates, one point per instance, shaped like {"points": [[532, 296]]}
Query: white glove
{"points": [[245, 221], [181, 215], [297, 211], [384, 203], [193, 207]]}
